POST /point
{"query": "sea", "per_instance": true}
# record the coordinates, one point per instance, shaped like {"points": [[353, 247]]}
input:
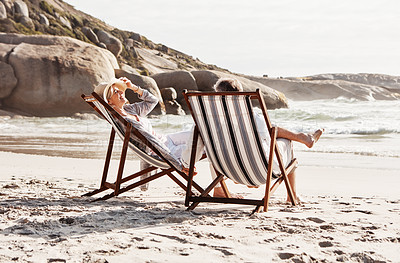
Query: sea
{"points": [[352, 127]]}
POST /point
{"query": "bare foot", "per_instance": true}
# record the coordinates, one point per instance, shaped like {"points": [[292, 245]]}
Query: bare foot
{"points": [[298, 201], [218, 192], [186, 171], [313, 138]]}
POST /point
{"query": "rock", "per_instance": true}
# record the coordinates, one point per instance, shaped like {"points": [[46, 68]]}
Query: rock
{"points": [[112, 43], [273, 98], [27, 22], [88, 32], [154, 63], [179, 80], [129, 69], [168, 93], [53, 72], [8, 81], [102, 45], [8, 4], [136, 37], [171, 105], [164, 49], [21, 8], [380, 80], [43, 20], [145, 83], [130, 47], [205, 80], [149, 44], [5, 50], [3, 11], [65, 21]]}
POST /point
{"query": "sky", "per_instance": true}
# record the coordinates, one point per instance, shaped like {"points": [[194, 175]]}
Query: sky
{"points": [[263, 37]]}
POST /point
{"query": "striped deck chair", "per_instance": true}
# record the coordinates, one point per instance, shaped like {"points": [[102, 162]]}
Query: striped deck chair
{"points": [[139, 141], [225, 122]]}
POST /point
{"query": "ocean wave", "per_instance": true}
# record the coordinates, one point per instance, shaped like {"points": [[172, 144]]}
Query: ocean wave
{"points": [[378, 131], [361, 153]]}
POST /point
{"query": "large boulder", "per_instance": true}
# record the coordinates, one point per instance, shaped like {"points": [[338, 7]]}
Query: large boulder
{"points": [[145, 83], [206, 80], [53, 72], [8, 80], [44, 20], [88, 32], [3, 11], [8, 4], [113, 44], [21, 8], [179, 80], [5, 50], [171, 105]]}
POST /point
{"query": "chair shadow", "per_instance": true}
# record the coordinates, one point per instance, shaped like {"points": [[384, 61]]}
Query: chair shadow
{"points": [[75, 217]]}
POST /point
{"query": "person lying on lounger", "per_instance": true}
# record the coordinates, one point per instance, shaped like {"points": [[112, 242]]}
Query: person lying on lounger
{"points": [[284, 141], [113, 92]]}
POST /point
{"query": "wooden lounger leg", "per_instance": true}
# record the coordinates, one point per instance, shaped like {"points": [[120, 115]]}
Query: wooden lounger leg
{"points": [[106, 166], [123, 158], [217, 180], [269, 173]]}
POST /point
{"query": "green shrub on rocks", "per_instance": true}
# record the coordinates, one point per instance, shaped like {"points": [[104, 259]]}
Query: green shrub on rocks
{"points": [[144, 72], [75, 20], [47, 8], [79, 35]]}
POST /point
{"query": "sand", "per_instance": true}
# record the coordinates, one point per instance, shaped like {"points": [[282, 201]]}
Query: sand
{"points": [[350, 212]]}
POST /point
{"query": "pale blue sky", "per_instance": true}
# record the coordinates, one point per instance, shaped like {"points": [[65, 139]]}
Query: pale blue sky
{"points": [[277, 38]]}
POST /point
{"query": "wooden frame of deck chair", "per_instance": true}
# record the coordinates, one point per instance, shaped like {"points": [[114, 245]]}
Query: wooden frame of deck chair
{"points": [[225, 122], [137, 140]]}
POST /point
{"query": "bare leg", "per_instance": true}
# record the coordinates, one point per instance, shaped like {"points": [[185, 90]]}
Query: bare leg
{"points": [[292, 182], [307, 139], [218, 192]]}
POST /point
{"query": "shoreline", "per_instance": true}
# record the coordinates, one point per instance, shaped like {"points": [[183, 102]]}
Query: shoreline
{"points": [[43, 217]]}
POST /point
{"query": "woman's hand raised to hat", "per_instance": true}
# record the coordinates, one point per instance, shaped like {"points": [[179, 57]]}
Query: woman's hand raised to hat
{"points": [[129, 84]]}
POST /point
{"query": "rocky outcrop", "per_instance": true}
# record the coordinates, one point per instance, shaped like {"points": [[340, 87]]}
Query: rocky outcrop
{"points": [[179, 80], [385, 81], [52, 73], [145, 83], [310, 88]]}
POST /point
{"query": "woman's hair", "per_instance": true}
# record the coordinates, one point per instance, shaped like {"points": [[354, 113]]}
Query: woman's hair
{"points": [[226, 84]]}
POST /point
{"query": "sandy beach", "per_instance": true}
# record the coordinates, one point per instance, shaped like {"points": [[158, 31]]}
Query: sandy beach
{"points": [[349, 213]]}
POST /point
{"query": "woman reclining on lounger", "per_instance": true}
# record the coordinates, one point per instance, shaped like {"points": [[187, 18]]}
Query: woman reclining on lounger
{"points": [[113, 92], [284, 141]]}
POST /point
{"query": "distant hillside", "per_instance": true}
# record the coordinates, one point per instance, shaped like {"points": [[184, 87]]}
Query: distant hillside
{"points": [[54, 17]]}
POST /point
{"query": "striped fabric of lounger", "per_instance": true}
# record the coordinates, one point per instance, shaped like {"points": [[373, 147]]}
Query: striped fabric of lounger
{"points": [[227, 126]]}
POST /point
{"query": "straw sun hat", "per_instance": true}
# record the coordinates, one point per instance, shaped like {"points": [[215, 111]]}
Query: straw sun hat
{"points": [[103, 88]]}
